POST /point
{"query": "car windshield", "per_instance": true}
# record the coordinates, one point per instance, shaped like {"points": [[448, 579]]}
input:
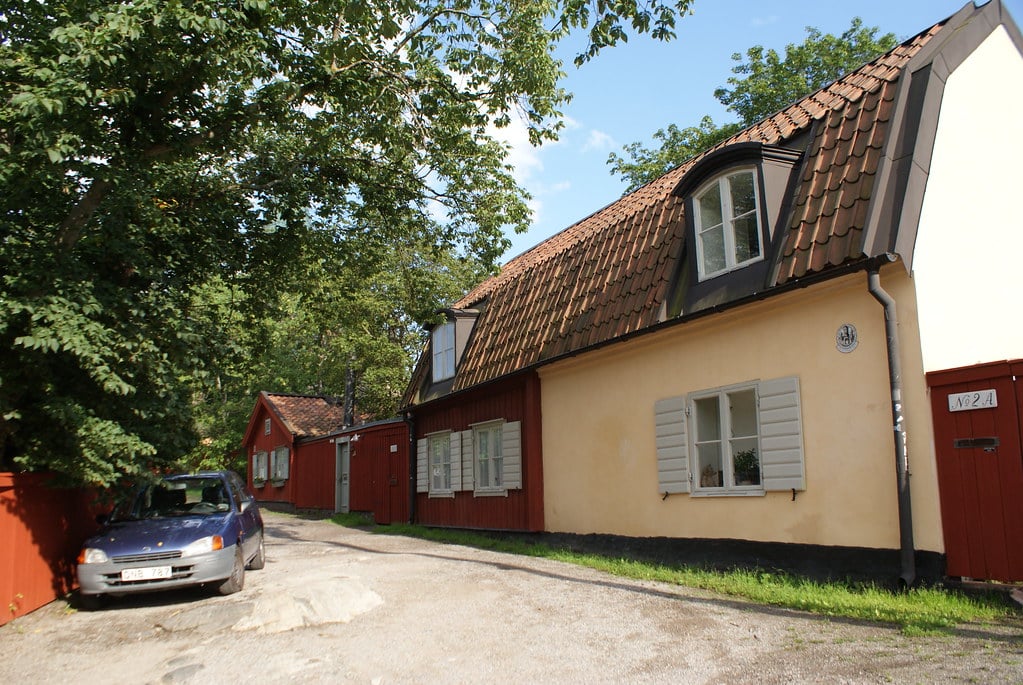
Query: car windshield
{"points": [[195, 496]]}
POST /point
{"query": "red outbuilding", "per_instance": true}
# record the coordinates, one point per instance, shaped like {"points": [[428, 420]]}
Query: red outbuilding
{"points": [[301, 456]]}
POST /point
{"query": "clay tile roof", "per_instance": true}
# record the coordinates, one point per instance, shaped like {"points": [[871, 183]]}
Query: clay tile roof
{"points": [[609, 274], [307, 415]]}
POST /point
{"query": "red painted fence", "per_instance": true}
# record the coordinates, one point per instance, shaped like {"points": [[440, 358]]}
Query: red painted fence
{"points": [[41, 531]]}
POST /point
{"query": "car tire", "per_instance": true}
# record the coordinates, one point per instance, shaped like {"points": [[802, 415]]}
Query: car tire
{"points": [[236, 581], [258, 561], [91, 602]]}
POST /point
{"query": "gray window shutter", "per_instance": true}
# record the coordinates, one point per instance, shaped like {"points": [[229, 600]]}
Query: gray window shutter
{"points": [[422, 461], [672, 445], [511, 453], [781, 435], [468, 460], [284, 463], [456, 461]]}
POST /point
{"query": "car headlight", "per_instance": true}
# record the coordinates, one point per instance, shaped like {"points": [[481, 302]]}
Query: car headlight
{"points": [[91, 555], [210, 543]]}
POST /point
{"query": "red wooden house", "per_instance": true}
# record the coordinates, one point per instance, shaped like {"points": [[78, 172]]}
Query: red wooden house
{"points": [[479, 461], [300, 455]]}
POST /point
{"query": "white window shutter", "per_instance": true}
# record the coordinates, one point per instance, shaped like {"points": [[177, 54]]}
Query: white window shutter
{"points": [[672, 445], [511, 453], [422, 461], [456, 461], [284, 463], [468, 461], [781, 435]]}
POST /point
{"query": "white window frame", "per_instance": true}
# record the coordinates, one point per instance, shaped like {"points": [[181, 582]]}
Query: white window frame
{"points": [[266, 426], [280, 462], [440, 443], [260, 461], [442, 342], [725, 438], [492, 432], [727, 222]]}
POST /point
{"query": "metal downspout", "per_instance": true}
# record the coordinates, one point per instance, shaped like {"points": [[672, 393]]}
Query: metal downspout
{"points": [[891, 325]]}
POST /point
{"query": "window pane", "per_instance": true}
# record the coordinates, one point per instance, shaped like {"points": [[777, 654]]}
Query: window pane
{"points": [[488, 456], [710, 207], [443, 342], [483, 458], [709, 465], [713, 246], [745, 461], [742, 408], [742, 193], [484, 474], [440, 462], [747, 238], [743, 413], [708, 423]]}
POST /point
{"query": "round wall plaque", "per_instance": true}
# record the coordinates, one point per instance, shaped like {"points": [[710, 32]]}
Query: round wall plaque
{"points": [[846, 338]]}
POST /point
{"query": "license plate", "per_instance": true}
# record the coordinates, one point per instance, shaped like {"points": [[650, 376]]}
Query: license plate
{"points": [[151, 573]]}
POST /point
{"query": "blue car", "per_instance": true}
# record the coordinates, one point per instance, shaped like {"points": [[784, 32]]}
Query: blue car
{"points": [[189, 529]]}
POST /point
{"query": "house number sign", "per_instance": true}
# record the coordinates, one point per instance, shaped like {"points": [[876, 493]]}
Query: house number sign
{"points": [[978, 399]]}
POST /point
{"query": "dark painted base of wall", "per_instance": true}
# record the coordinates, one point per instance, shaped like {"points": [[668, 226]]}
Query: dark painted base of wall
{"points": [[819, 562]]}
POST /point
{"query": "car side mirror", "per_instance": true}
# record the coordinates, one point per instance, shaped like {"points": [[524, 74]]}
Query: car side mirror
{"points": [[245, 506]]}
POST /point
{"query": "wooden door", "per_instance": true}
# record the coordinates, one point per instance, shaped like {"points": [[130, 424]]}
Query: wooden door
{"points": [[977, 414], [342, 474]]}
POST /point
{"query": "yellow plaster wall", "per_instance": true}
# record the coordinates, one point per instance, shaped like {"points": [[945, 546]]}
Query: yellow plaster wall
{"points": [[600, 463]]}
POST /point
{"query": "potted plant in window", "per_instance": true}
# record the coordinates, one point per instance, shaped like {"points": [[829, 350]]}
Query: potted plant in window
{"points": [[747, 467]]}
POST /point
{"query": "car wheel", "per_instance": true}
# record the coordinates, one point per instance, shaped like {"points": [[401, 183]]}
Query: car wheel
{"points": [[235, 581], [91, 602], [259, 561]]}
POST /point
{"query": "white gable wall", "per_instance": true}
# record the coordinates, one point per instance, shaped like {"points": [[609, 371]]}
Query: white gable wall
{"points": [[968, 260]]}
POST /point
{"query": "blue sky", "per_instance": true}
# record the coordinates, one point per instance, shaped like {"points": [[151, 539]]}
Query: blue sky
{"points": [[632, 90]]}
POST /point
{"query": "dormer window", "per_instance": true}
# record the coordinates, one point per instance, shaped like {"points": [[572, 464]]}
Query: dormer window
{"points": [[443, 343], [727, 220], [735, 201]]}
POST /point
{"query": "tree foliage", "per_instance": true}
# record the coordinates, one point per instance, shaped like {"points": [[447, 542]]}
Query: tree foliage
{"points": [[158, 153], [763, 84]]}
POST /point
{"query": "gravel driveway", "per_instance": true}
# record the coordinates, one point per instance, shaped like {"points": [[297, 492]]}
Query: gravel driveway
{"points": [[339, 605]]}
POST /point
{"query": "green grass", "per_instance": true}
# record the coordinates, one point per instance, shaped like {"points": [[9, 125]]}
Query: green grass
{"points": [[921, 611]]}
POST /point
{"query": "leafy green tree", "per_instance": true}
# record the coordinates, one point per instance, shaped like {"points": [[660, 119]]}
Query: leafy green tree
{"points": [[765, 83], [153, 152], [352, 333], [673, 145]]}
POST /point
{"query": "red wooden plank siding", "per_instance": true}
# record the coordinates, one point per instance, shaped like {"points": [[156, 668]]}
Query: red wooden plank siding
{"points": [[383, 471], [981, 488], [312, 474], [514, 399], [41, 532]]}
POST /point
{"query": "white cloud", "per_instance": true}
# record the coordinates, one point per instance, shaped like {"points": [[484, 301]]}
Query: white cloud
{"points": [[522, 155], [598, 140]]}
